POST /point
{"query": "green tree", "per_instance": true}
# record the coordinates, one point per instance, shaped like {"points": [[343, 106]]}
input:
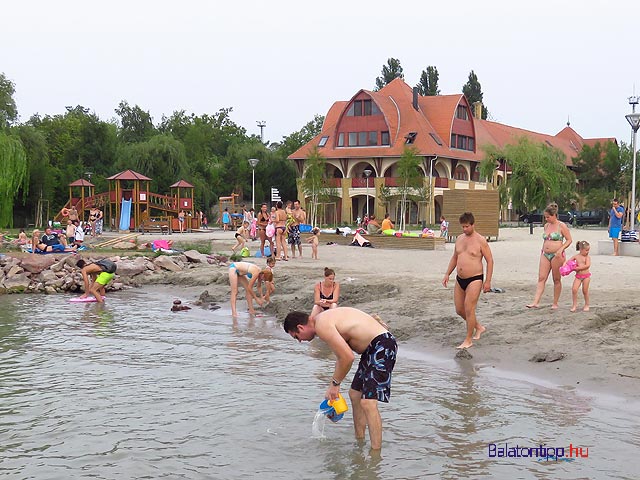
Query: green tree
{"points": [[599, 170], [13, 175], [390, 71], [294, 141], [473, 91], [136, 125], [8, 109], [539, 174], [313, 181], [428, 85], [410, 179]]}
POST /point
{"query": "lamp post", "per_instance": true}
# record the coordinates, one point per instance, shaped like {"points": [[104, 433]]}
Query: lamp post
{"points": [[634, 121], [253, 162], [367, 174]]}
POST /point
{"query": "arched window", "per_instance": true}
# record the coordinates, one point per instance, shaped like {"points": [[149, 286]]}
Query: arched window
{"points": [[460, 173]]}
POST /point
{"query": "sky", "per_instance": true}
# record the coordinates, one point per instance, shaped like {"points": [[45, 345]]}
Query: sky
{"points": [[283, 61]]}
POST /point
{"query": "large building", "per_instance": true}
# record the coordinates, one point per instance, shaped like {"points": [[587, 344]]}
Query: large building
{"points": [[362, 140]]}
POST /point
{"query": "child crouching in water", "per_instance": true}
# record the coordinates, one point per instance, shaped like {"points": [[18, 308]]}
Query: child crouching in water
{"points": [[270, 286], [313, 240], [583, 275]]}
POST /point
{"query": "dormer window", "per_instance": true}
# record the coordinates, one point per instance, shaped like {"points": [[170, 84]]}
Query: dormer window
{"points": [[410, 138], [462, 113], [362, 108], [323, 141]]}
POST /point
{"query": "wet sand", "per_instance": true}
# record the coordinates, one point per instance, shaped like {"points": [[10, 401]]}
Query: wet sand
{"points": [[600, 347]]}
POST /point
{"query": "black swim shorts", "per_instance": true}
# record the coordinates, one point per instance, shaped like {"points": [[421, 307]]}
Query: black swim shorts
{"points": [[373, 377]]}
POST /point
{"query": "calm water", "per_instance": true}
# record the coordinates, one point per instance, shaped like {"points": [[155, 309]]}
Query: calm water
{"points": [[131, 390]]}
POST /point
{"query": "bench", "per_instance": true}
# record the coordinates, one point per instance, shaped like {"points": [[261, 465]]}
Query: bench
{"points": [[161, 225]]}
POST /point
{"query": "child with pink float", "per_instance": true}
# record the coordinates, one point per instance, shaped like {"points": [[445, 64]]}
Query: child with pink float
{"points": [[579, 263]]}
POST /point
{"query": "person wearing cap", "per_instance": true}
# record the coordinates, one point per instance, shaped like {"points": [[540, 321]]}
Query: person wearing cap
{"points": [[347, 330], [51, 242], [102, 272]]}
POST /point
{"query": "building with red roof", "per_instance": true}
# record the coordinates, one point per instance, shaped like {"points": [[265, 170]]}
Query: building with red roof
{"points": [[371, 130]]}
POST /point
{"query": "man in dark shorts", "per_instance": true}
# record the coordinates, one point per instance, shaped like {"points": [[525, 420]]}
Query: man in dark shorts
{"points": [[299, 217], [470, 249], [347, 330]]}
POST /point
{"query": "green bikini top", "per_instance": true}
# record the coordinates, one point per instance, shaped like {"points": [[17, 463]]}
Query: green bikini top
{"points": [[555, 236]]}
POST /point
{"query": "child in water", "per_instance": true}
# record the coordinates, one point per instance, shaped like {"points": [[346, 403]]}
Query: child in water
{"points": [[270, 286], [583, 275], [313, 240]]}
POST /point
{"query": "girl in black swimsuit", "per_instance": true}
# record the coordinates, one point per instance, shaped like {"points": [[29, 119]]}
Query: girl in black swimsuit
{"points": [[327, 293]]}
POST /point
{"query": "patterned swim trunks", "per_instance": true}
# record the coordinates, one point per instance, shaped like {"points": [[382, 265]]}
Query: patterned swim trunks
{"points": [[373, 377], [294, 235]]}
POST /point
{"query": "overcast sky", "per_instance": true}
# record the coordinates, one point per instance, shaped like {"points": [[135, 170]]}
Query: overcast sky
{"points": [[285, 61]]}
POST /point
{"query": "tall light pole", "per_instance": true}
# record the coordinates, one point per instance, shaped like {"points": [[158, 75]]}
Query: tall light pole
{"points": [[634, 121], [367, 174], [261, 124], [253, 162]]}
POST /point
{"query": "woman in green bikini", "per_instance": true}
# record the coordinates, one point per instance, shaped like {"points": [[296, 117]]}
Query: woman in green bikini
{"points": [[557, 239]]}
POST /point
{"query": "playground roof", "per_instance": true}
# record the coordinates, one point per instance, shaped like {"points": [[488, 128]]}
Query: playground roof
{"points": [[128, 175], [182, 184], [81, 182]]}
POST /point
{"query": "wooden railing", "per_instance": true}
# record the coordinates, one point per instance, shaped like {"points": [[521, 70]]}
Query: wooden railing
{"points": [[442, 182], [163, 202]]}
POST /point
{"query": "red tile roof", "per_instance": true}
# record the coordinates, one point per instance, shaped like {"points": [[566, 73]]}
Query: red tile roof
{"points": [[128, 175], [181, 184], [81, 182], [435, 115]]}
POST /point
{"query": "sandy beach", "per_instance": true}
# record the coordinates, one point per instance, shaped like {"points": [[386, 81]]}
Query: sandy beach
{"points": [[600, 347]]}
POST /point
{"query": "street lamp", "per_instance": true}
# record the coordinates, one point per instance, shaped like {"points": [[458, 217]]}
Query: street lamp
{"points": [[253, 162], [367, 174], [634, 121]]}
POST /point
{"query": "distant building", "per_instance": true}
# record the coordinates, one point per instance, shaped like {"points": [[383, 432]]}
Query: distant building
{"points": [[370, 132]]}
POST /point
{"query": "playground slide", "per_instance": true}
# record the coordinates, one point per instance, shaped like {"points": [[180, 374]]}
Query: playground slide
{"points": [[125, 215]]}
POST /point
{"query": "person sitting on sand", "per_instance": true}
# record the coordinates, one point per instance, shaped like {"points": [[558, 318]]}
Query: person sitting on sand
{"points": [[326, 293], [557, 238], [22, 239], [373, 226], [347, 330], [246, 274], [583, 275], [241, 236], [101, 272], [387, 224], [468, 253], [51, 242]]}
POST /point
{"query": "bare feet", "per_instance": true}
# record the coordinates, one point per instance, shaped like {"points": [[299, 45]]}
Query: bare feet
{"points": [[533, 305], [554, 306], [465, 344], [479, 331], [573, 308], [586, 308]]}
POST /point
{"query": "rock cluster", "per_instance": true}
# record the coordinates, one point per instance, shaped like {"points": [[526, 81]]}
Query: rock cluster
{"points": [[59, 273]]}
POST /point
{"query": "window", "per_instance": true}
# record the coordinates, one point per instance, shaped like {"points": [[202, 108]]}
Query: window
{"points": [[362, 138], [462, 113], [341, 139], [373, 138], [374, 109], [471, 144], [384, 138], [460, 173], [454, 139], [436, 138], [462, 142], [323, 141], [410, 138], [357, 108], [353, 139], [367, 107]]}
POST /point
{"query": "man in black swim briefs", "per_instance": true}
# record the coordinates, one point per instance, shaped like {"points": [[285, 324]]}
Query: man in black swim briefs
{"points": [[470, 249], [347, 330]]}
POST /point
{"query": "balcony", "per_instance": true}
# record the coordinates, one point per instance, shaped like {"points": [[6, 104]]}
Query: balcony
{"points": [[390, 181], [442, 182], [334, 182], [360, 182]]}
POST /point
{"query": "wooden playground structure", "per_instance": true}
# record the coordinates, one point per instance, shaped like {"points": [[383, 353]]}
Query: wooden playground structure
{"points": [[128, 205]]}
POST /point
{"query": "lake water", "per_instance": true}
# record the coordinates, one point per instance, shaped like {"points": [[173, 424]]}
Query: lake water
{"points": [[131, 390]]}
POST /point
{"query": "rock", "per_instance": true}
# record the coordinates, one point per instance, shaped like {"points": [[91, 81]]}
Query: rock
{"points": [[65, 261], [551, 356], [463, 353], [167, 263], [195, 257], [14, 270], [37, 263], [17, 284], [130, 268], [49, 290], [48, 276]]}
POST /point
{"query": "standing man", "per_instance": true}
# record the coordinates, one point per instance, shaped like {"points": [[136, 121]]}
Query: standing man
{"points": [[347, 330], [470, 249], [299, 216], [616, 215]]}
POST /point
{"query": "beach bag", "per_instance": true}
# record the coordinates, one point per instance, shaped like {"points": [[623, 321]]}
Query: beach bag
{"points": [[107, 265], [245, 252], [629, 236], [271, 230]]}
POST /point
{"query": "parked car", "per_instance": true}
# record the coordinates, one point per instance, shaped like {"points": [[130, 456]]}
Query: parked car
{"points": [[591, 217], [538, 217]]}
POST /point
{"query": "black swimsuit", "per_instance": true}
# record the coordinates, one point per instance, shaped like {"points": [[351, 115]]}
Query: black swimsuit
{"points": [[464, 282], [322, 297]]}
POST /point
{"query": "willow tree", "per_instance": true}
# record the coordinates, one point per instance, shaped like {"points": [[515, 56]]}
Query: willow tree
{"points": [[539, 174], [13, 176]]}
